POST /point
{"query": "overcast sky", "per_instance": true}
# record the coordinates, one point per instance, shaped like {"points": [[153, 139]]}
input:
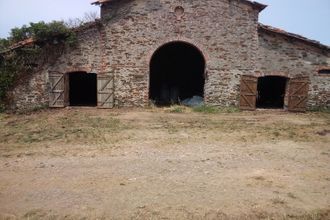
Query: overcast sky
{"points": [[309, 18]]}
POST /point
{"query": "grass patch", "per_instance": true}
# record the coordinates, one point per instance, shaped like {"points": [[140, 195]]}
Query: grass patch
{"points": [[206, 109], [177, 109], [320, 110], [214, 109], [73, 127]]}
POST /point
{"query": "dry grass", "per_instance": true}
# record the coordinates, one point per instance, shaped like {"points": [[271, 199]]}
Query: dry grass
{"points": [[86, 127], [168, 163], [73, 127]]}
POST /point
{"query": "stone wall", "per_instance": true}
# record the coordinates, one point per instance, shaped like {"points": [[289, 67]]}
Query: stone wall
{"points": [[86, 56], [284, 56], [29, 92], [225, 31], [32, 90]]}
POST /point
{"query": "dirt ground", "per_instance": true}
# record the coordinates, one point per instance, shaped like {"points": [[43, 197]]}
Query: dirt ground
{"points": [[158, 164]]}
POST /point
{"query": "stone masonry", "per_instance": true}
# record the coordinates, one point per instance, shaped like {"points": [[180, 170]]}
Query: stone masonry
{"points": [[283, 56], [226, 32]]}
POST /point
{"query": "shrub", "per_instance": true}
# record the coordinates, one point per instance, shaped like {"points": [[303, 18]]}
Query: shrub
{"points": [[22, 60], [53, 32]]}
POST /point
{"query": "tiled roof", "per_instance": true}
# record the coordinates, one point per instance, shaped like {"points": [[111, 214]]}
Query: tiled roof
{"points": [[292, 35], [253, 3], [31, 41], [99, 2], [256, 4], [20, 44]]}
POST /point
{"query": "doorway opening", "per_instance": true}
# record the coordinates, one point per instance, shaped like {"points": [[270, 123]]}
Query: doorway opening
{"points": [[176, 73], [271, 92], [82, 89]]}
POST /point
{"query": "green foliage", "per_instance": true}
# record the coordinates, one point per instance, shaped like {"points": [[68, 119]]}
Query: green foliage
{"points": [[9, 69], [21, 60], [2, 107], [4, 43], [53, 32], [19, 34]]}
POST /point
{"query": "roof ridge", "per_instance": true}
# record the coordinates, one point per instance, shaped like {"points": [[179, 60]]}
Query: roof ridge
{"points": [[253, 3], [293, 35]]}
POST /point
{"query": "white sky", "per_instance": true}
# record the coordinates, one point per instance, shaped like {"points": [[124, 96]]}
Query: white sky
{"points": [[310, 18]]}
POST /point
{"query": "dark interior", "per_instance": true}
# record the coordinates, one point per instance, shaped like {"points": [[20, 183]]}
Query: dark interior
{"points": [[83, 89], [176, 73], [271, 92], [324, 71]]}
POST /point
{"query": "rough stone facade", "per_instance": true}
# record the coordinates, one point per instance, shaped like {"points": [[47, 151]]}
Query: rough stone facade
{"points": [[33, 90], [281, 55], [225, 31]]}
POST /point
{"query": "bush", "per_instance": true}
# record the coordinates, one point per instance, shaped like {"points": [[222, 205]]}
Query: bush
{"points": [[8, 72], [22, 60], [53, 32], [2, 107]]}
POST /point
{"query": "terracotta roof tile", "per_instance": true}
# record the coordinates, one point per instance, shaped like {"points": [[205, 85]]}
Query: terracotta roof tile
{"points": [[292, 35], [99, 2], [253, 3], [26, 42]]}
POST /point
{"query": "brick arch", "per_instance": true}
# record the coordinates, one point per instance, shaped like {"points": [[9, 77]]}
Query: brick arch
{"points": [[193, 43], [199, 85]]}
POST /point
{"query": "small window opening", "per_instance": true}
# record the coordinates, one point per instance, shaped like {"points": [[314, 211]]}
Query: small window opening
{"points": [[324, 71], [82, 89], [179, 12]]}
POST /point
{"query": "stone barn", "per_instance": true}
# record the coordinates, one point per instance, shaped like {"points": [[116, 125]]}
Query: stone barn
{"points": [[166, 51]]}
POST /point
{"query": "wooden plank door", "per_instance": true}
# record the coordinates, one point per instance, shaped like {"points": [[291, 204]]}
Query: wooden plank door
{"points": [[298, 94], [105, 91], [248, 94], [57, 89]]}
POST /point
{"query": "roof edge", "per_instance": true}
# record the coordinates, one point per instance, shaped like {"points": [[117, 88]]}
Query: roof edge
{"points": [[100, 2], [254, 4], [31, 41], [301, 38]]}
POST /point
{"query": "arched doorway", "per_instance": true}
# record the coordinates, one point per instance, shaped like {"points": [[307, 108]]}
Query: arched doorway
{"points": [[271, 92], [176, 73], [82, 89]]}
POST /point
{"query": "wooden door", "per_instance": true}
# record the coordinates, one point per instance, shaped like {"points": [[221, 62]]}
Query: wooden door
{"points": [[57, 89], [105, 91], [248, 94], [298, 94]]}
